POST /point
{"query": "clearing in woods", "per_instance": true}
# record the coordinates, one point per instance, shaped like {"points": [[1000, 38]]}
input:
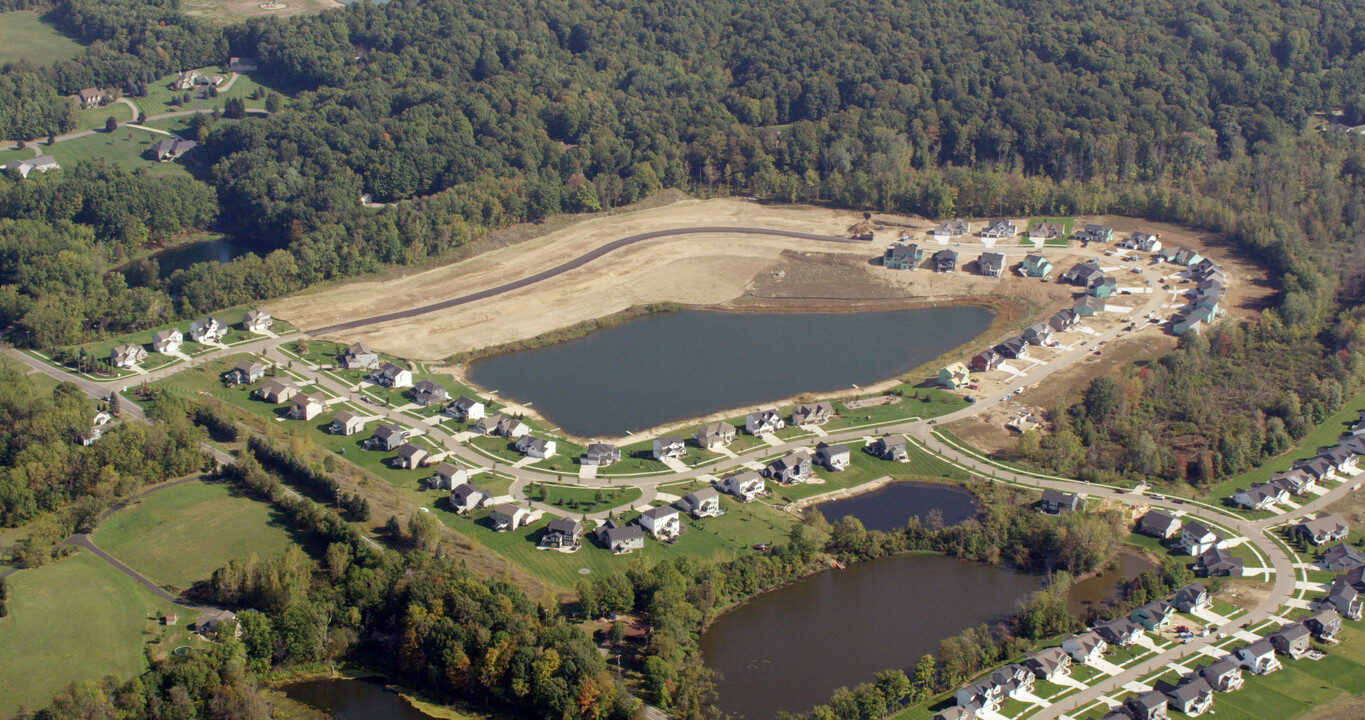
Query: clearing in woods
{"points": [[25, 36]]}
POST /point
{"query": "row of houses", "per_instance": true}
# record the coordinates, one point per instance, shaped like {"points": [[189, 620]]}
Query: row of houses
{"points": [[1211, 552], [1210, 284], [909, 256], [1330, 462], [209, 330]]}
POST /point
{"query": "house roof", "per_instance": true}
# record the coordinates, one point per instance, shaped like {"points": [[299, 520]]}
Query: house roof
{"points": [[316, 398], [1291, 632], [699, 496], [1090, 301], [1059, 497], [384, 432], [1343, 553], [446, 469], [1218, 557], [1327, 524], [946, 254], [465, 403], [1188, 689], [508, 509], [718, 428], [992, 259], [1258, 649], [358, 349], [1190, 593], [624, 532], [162, 335], [465, 490], [249, 366], [563, 526], [1159, 520], [1148, 701], [741, 478], [659, 513], [1197, 530], [790, 460], [1219, 668], [408, 450], [428, 386], [275, 386]]}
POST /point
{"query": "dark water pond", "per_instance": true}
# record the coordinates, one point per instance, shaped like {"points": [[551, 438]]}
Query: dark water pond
{"points": [[219, 250], [663, 368], [1108, 585], [367, 699], [892, 505]]}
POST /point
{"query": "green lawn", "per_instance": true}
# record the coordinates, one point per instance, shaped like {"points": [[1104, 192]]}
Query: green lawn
{"points": [[585, 500], [24, 36], [76, 619], [125, 146], [915, 402], [95, 118], [179, 536], [161, 92]]}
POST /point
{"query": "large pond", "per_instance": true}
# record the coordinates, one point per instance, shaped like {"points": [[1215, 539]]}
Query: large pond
{"points": [[664, 368], [219, 250], [1107, 585], [789, 649], [892, 505], [354, 700]]}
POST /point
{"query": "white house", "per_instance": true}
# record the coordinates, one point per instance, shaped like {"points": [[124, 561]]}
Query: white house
{"points": [[702, 503], [307, 407], [466, 497], [509, 517], [716, 435], [208, 330], [464, 409], [448, 476], [410, 456], [664, 522], [167, 341], [126, 356], [744, 486], [392, 376], [763, 422], [1085, 648], [1196, 539], [534, 447], [1259, 658], [668, 448], [346, 422], [833, 457], [257, 321]]}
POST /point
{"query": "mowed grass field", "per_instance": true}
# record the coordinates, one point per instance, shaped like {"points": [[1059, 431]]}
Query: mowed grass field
{"points": [[180, 535], [126, 146], [76, 619], [24, 36]]}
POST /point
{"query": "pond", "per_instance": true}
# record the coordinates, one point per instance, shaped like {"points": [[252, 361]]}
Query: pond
{"points": [[346, 699], [219, 250], [892, 505], [789, 649], [1107, 585], [665, 368]]}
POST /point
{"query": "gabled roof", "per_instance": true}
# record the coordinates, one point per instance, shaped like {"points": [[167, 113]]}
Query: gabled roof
{"points": [[659, 513], [563, 526]]}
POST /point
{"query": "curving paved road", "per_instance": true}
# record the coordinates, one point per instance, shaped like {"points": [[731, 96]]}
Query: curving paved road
{"points": [[573, 264]]}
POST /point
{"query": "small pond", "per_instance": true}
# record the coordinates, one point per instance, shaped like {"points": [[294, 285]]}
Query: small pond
{"points": [[219, 250], [1107, 585], [366, 699], [892, 505]]}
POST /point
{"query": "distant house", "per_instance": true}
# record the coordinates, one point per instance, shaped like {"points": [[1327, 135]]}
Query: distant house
{"points": [[410, 456], [464, 409], [29, 165], [662, 523], [428, 392], [1294, 481], [991, 264], [467, 496], [1319, 468], [1293, 640], [1159, 524], [1000, 229], [1119, 631], [346, 422], [701, 503], [1324, 624], [562, 534], [307, 407], [448, 476], [1087, 306], [1014, 347], [888, 447], [1145, 242], [1190, 598], [1259, 657], [794, 467], [1341, 558], [812, 413], [621, 539], [901, 256], [744, 486], [501, 426], [833, 457], [534, 447], [985, 361], [1103, 287], [208, 330], [600, 455], [359, 357], [1038, 334], [1342, 458], [126, 356], [509, 517], [1259, 496], [1180, 256], [242, 64], [1346, 600], [387, 437], [392, 376], [763, 422], [167, 342], [276, 390], [1095, 233], [1085, 648], [1044, 231], [945, 260], [211, 619], [1218, 562], [168, 150], [1196, 538], [716, 435], [257, 321], [954, 376], [1083, 274], [188, 79], [951, 229], [245, 372], [1049, 664], [91, 97], [668, 448], [1223, 675], [1322, 530], [1035, 265], [1056, 502]]}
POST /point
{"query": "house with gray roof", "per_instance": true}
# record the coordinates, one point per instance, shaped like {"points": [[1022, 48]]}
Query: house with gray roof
{"points": [[1293, 640], [410, 456], [173, 149], [1322, 530], [392, 376], [663, 522], [359, 357], [466, 497], [1056, 502], [701, 503], [508, 516], [1259, 657], [208, 330], [951, 229], [1192, 696], [833, 457], [1088, 305], [716, 435], [1000, 228], [1159, 524], [888, 447], [1085, 648], [1036, 265], [745, 485], [1324, 624], [1064, 320], [1342, 557], [428, 392], [1095, 233], [1038, 334], [1147, 706], [1042, 231], [30, 165], [1224, 675], [464, 409], [387, 437], [1083, 273], [1015, 347], [276, 390], [669, 448], [168, 341], [1259, 496], [1218, 562], [945, 260], [621, 539], [991, 264], [600, 455], [1049, 664], [345, 422], [562, 534], [1191, 597], [256, 321], [534, 447], [245, 372], [1119, 631], [902, 256], [817, 413], [794, 467]]}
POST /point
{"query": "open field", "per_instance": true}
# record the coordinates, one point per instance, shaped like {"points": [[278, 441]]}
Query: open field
{"points": [[76, 619], [126, 146], [161, 92], [24, 36], [226, 12], [180, 535]]}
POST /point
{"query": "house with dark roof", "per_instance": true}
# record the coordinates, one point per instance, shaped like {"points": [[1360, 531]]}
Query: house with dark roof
{"points": [[621, 539], [1345, 599], [464, 409], [1085, 648], [600, 455], [508, 516], [345, 422], [1259, 496], [245, 372], [951, 229], [1088, 305], [1324, 624], [1153, 615], [985, 361], [902, 256], [534, 447], [359, 357], [764, 422], [1192, 696], [1224, 675], [1094, 233], [1159, 524], [1056, 502], [794, 467], [1218, 562], [817, 413], [562, 534], [1342, 557], [208, 330], [428, 392], [991, 264], [1191, 597], [1146, 242], [1038, 334], [1064, 320], [1049, 664], [945, 260], [663, 522], [1258, 657], [410, 456], [833, 457], [1195, 538], [1000, 228], [390, 375], [1293, 640], [387, 437], [888, 447], [702, 503], [1103, 287], [448, 476], [1319, 468], [1015, 347], [1147, 706], [668, 448], [1322, 530], [1119, 631], [467, 496], [1083, 274], [168, 150], [1294, 482], [1042, 231], [744, 486]]}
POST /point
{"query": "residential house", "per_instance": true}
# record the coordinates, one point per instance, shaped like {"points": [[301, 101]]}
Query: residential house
{"points": [[1191, 322], [168, 150], [467, 496], [1324, 624], [188, 79], [1038, 334], [504, 426], [1014, 347], [1195, 538], [1146, 242], [954, 376], [1043, 231], [211, 619], [669, 448], [427, 392], [1095, 233], [1322, 530], [277, 390], [307, 406], [621, 539], [1259, 657], [242, 64], [167, 342], [208, 330], [1035, 265], [245, 372], [1147, 706], [1343, 458], [359, 357], [901, 256], [716, 435], [945, 260], [1119, 631], [744, 486], [1223, 675], [1055, 502], [1192, 696], [1259, 496], [562, 534], [126, 356], [833, 457], [387, 437], [951, 229], [509, 517], [1085, 648], [1103, 287], [346, 422], [991, 264], [888, 447], [985, 361], [448, 476], [989, 692], [1218, 562], [534, 447], [392, 376], [600, 455], [1088, 305], [1293, 640], [1294, 481], [410, 456], [1153, 615], [1064, 320], [1000, 228], [1342, 557], [794, 467], [1181, 256], [812, 413], [701, 503], [1319, 468], [464, 409], [763, 422], [28, 165], [1191, 597], [1049, 664], [1159, 524], [1346, 600], [91, 97], [663, 522], [257, 321], [1083, 274]]}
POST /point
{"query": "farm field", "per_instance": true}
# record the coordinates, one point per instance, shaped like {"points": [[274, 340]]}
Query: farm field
{"points": [[24, 36]]}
